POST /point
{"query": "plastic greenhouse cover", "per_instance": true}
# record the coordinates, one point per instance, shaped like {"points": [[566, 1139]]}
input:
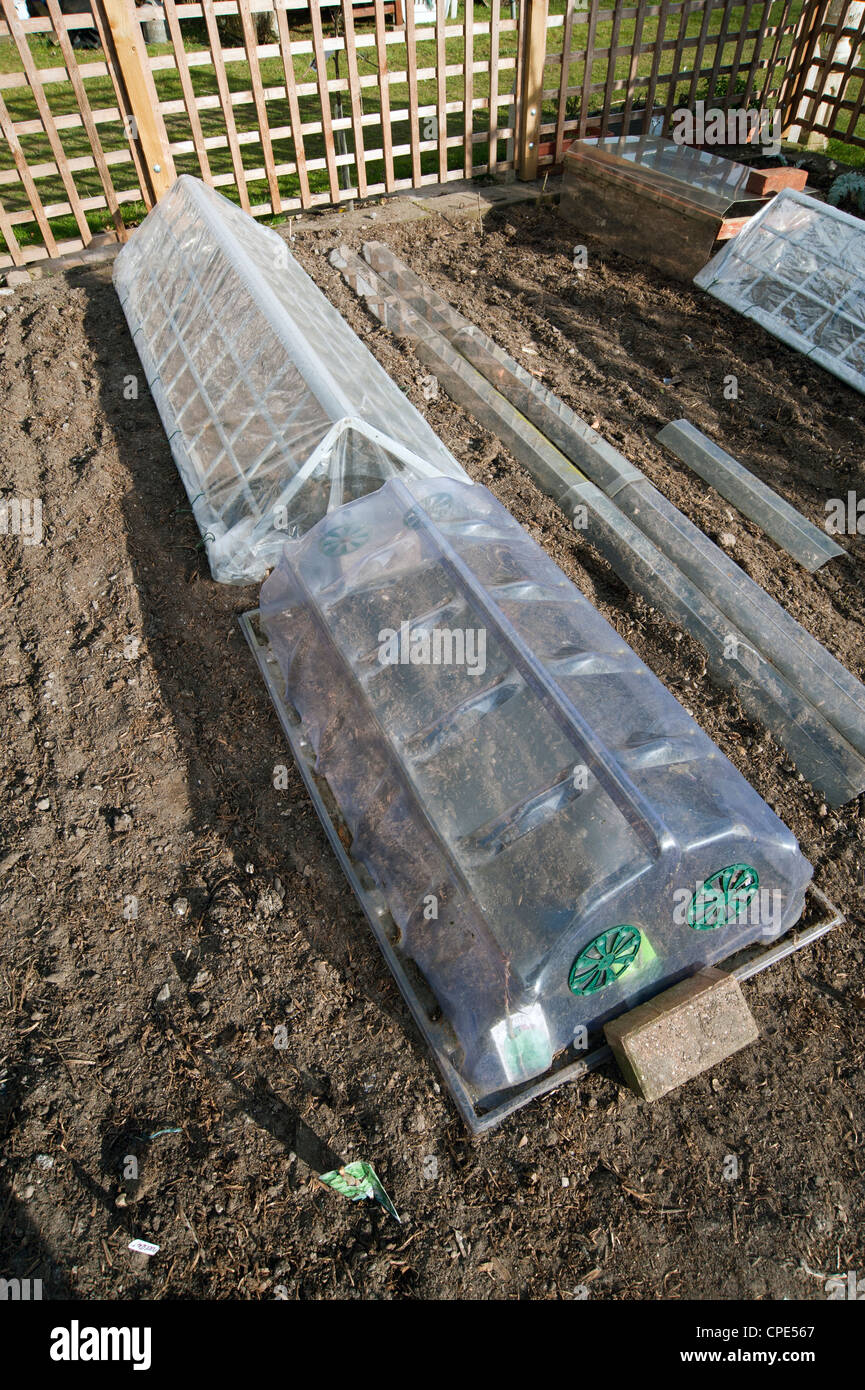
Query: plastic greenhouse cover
{"points": [[694, 176], [803, 540], [555, 837], [798, 268], [275, 411], [783, 675]]}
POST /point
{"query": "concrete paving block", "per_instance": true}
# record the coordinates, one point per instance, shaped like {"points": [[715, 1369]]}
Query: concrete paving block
{"points": [[469, 200], [349, 218], [682, 1032]]}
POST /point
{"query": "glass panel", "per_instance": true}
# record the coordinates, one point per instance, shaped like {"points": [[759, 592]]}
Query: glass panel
{"points": [[695, 176]]}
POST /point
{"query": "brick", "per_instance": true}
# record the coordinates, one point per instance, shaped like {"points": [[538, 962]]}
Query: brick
{"points": [[765, 181], [682, 1032]]}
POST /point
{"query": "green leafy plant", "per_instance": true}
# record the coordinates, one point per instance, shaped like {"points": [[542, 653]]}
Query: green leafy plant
{"points": [[848, 188]]}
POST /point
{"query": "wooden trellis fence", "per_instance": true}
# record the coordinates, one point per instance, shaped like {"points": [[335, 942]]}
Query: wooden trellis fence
{"points": [[826, 94], [284, 106], [679, 51]]}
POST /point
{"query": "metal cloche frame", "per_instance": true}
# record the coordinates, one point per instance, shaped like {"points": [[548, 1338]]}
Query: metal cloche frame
{"points": [[798, 269], [274, 409]]}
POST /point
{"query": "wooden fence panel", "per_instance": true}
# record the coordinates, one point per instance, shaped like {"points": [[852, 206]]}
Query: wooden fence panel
{"points": [[685, 11], [283, 111], [37, 173], [567, 39], [296, 126], [468, 87], [250, 44], [7, 130], [828, 95], [769, 89], [637, 49], [637, 63], [441, 89], [186, 86], [612, 55], [225, 101], [656, 65], [384, 95], [493, 102], [128, 149], [46, 116], [324, 102], [413, 103]]}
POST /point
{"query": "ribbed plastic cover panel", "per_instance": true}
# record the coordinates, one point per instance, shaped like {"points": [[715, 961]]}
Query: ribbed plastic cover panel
{"points": [[274, 409], [798, 268], [555, 837]]}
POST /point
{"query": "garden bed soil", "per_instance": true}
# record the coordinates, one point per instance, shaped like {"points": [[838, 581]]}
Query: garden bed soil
{"points": [[135, 1030]]}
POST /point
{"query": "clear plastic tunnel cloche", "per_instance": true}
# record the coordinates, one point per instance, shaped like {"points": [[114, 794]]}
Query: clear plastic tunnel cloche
{"points": [[555, 837], [275, 411]]}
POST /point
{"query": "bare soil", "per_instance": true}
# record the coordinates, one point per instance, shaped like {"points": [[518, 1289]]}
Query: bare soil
{"points": [[132, 1033]]}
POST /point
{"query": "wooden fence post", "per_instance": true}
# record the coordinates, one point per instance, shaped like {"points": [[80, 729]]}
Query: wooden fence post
{"points": [[806, 38], [836, 49], [537, 12], [140, 87]]}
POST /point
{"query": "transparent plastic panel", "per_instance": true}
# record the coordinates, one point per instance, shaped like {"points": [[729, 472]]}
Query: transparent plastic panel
{"points": [[555, 837], [694, 176], [798, 268], [814, 707], [803, 540], [820, 752], [252, 370]]}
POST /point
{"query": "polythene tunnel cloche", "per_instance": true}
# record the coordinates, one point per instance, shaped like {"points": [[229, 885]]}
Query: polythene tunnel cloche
{"points": [[555, 837]]}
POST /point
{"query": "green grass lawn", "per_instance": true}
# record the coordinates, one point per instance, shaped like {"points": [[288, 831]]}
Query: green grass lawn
{"points": [[101, 94]]}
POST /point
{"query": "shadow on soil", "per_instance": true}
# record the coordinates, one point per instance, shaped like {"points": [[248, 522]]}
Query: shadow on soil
{"points": [[222, 715]]}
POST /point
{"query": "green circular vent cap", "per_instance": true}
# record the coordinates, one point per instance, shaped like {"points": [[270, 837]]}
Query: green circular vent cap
{"points": [[340, 540], [437, 507], [723, 897], [604, 960]]}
